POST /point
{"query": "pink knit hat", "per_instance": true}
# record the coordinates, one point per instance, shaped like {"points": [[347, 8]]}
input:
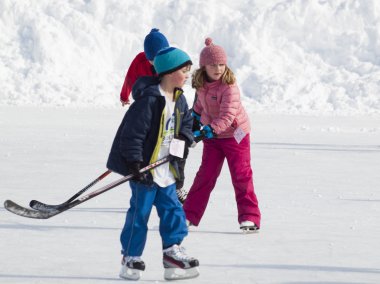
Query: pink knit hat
{"points": [[212, 54]]}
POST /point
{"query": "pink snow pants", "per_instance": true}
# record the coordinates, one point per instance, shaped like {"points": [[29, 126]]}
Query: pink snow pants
{"points": [[239, 162]]}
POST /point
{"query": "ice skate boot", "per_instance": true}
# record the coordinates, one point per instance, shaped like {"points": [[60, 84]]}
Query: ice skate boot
{"points": [[131, 267], [249, 227], [181, 194], [178, 265]]}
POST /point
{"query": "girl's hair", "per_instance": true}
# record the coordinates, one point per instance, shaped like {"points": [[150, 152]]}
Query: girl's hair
{"points": [[200, 76]]}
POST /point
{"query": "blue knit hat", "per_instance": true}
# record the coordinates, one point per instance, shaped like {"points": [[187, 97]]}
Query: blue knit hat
{"points": [[153, 42], [170, 59]]}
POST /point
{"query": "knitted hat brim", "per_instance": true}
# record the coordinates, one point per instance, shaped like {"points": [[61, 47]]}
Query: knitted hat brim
{"points": [[189, 62]]}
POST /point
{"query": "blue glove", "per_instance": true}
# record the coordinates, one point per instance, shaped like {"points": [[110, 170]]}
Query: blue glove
{"points": [[206, 131], [197, 133]]}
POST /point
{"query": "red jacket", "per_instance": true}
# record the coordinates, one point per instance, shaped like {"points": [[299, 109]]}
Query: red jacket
{"points": [[140, 66]]}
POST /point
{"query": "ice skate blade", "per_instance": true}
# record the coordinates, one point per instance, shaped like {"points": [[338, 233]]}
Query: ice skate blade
{"points": [[179, 273], [130, 274], [249, 231]]}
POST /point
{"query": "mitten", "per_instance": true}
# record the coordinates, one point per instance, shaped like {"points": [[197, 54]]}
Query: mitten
{"points": [[135, 168], [206, 131]]}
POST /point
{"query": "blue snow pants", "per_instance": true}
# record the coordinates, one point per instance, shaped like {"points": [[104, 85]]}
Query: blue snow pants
{"points": [[172, 227]]}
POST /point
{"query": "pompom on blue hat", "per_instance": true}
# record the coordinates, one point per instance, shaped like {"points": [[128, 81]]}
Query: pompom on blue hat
{"points": [[154, 42], [170, 59]]}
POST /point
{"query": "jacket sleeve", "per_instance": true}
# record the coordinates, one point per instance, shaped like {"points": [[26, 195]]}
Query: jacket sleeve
{"points": [[228, 109], [130, 78], [197, 106], [135, 130], [186, 123]]}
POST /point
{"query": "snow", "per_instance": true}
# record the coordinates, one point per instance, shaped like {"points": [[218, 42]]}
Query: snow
{"points": [[291, 56], [310, 77]]}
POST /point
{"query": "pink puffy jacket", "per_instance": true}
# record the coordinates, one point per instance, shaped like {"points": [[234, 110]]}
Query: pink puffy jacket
{"points": [[219, 105]]}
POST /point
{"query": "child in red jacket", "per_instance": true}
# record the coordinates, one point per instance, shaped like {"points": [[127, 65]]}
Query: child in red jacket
{"points": [[142, 65]]}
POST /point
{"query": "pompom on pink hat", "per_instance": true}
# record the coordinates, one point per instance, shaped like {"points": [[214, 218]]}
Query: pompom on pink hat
{"points": [[212, 54]]}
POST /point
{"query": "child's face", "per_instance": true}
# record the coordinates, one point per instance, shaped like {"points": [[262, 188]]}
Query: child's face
{"points": [[180, 76], [215, 71]]}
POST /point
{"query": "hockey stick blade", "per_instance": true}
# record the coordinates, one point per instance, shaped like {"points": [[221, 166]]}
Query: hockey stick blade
{"points": [[43, 207], [26, 212]]}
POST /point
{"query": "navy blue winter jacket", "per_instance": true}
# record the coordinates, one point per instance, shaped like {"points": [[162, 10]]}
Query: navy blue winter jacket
{"points": [[138, 133]]}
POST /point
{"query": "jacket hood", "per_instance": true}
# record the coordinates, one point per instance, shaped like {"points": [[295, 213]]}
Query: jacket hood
{"points": [[147, 85]]}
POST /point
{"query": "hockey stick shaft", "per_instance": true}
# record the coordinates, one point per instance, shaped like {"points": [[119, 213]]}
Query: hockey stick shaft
{"points": [[102, 176], [45, 207]]}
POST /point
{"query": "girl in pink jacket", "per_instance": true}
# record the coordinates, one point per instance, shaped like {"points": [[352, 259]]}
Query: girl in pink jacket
{"points": [[226, 126]]}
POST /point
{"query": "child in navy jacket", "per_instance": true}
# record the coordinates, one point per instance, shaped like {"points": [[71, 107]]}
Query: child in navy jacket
{"points": [[158, 115]]}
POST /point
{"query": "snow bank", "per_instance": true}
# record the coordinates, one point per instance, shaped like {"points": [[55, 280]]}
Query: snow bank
{"points": [[290, 56]]}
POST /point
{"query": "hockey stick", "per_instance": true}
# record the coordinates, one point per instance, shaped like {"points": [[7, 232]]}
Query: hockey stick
{"points": [[36, 214], [35, 204]]}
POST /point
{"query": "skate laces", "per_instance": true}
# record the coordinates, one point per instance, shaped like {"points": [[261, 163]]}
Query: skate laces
{"points": [[177, 252], [181, 194]]}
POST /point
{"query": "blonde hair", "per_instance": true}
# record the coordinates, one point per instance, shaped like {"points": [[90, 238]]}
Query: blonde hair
{"points": [[200, 76]]}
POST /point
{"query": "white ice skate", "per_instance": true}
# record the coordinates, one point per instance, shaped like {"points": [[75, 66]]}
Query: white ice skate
{"points": [[249, 227], [131, 268], [181, 194], [178, 265]]}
